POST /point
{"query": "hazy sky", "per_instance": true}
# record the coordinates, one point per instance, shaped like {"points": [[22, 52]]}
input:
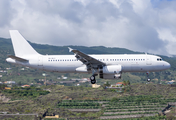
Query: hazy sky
{"points": [[139, 25]]}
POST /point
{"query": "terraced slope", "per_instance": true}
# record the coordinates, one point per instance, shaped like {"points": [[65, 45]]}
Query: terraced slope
{"points": [[134, 106], [122, 108]]}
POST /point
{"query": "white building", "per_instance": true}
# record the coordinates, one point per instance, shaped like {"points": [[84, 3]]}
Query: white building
{"points": [[9, 82]]}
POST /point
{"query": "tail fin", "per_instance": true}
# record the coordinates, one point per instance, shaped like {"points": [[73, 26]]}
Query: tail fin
{"points": [[20, 45]]}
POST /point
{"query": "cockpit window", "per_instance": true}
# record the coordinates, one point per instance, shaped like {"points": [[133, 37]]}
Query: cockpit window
{"points": [[159, 59]]}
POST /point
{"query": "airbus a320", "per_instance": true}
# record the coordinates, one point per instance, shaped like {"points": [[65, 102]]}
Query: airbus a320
{"points": [[108, 66]]}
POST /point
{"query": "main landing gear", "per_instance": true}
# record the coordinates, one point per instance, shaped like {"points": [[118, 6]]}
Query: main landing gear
{"points": [[148, 79], [93, 80]]}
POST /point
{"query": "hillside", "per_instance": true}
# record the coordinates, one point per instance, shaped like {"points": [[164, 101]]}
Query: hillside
{"points": [[27, 75], [137, 99]]}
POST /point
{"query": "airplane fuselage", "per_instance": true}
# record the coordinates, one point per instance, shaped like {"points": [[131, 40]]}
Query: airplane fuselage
{"points": [[68, 63]]}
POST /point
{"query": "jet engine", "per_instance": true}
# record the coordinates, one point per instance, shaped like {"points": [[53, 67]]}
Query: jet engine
{"points": [[110, 72]]}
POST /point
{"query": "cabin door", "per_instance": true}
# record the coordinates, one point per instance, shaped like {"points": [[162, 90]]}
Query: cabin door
{"points": [[148, 60]]}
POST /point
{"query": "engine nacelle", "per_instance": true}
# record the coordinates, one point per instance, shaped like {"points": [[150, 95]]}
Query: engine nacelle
{"points": [[111, 76], [110, 72], [112, 69]]}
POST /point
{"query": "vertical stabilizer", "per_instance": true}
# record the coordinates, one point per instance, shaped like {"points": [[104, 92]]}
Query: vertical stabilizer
{"points": [[20, 45]]}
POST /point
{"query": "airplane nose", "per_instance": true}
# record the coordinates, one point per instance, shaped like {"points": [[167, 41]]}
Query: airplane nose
{"points": [[167, 65]]}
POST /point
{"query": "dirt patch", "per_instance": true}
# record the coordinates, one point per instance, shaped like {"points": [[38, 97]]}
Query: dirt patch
{"points": [[3, 98]]}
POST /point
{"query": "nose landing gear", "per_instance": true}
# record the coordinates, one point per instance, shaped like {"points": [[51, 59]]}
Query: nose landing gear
{"points": [[148, 79]]}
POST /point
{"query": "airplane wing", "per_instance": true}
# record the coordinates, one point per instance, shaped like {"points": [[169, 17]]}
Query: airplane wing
{"points": [[86, 59]]}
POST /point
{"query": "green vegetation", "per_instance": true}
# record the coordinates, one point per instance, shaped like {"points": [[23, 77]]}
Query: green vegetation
{"points": [[21, 117], [61, 100], [2, 86], [146, 118], [20, 92], [79, 104], [136, 105]]}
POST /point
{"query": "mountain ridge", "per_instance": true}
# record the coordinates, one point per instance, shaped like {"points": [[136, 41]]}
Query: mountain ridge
{"points": [[43, 48]]}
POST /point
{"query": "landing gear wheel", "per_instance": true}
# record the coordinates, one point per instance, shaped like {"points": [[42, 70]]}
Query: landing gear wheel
{"points": [[93, 81], [92, 77], [148, 80]]}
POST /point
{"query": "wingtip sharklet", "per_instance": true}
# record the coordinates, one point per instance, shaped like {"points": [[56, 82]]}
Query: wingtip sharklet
{"points": [[70, 49]]}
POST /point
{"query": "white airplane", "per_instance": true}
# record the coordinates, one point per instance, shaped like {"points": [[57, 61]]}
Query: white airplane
{"points": [[106, 66]]}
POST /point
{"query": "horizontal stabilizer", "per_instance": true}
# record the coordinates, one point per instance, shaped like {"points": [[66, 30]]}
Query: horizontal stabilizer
{"points": [[17, 58]]}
